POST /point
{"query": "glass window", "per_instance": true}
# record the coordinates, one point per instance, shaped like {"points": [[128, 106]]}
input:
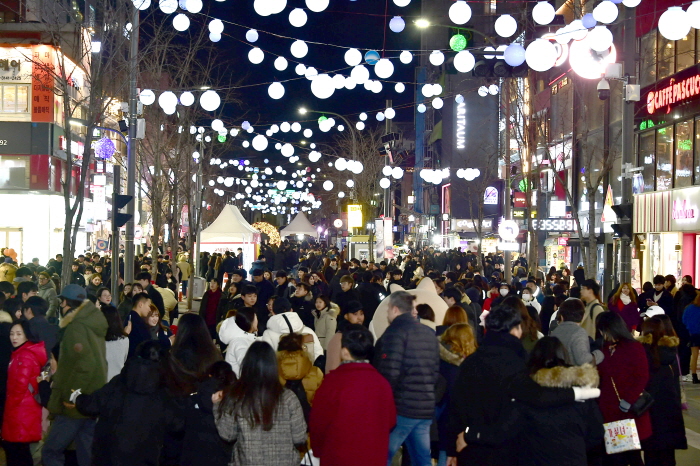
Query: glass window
{"points": [[684, 155], [647, 158], [15, 98], [664, 158], [23, 99], [666, 52], [14, 172], [9, 99], [647, 64], [685, 51]]}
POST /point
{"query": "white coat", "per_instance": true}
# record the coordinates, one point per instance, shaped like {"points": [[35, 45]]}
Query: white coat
{"points": [[238, 342], [277, 326]]}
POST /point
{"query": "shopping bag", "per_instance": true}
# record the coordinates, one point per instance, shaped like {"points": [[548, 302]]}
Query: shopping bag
{"points": [[621, 436]]}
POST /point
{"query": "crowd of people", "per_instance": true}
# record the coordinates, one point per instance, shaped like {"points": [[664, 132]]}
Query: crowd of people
{"points": [[279, 366]]}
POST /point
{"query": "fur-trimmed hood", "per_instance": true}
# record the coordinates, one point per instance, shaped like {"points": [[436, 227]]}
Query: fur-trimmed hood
{"points": [[333, 310], [85, 309], [5, 317], [567, 377], [663, 341], [448, 356]]}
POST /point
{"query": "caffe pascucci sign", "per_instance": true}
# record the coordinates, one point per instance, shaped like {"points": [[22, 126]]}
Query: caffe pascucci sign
{"points": [[675, 92]]}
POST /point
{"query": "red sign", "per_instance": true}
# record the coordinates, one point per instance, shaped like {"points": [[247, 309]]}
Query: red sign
{"points": [[42, 84], [677, 91], [564, 241], [519, 200]]}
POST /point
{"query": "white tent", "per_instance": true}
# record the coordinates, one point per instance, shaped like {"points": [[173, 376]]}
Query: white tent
{"points": [[300, 225], [229, 232]]}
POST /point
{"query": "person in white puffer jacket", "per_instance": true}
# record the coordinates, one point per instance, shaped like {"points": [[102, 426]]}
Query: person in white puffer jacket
{"points": [[284, 320], [239, 332]]}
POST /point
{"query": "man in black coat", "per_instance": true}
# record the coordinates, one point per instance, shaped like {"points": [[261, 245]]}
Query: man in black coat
{"points": [[408, 356], [145, 279], [659, 297], [370, 295]]}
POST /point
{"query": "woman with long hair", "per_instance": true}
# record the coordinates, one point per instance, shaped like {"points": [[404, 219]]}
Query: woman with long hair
{"points": [[238, 333], [624, 302], [661, 345], [263, 418], [531, 331], [116, 341], [624, 374], [453, 315], [159, 331]]}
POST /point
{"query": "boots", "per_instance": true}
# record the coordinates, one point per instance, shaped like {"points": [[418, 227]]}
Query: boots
{"points": [[695, 379]]}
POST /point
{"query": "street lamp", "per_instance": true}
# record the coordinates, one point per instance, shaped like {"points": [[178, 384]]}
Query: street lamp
{"points": [[304, 111]]}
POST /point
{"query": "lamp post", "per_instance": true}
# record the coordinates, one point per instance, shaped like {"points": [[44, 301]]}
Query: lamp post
{"points": [[131, 147], [304, 111]]}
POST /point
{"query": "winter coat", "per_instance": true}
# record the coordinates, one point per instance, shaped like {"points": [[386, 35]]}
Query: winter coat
{"points": [[626, 364], [6, 350], [117, 351], [277, 326], [333, 352], [303, 306], [354, 399], [691, 319], [210, 299], [185, 270], [237, 341], [561, 435], [592, 310], [257, 447], [666, 412], [575, 341], [82, 361], [370, 295], [344, 297], [325, 324], [77, 278], [156, 298], [168, 297], [629, 313], [488, 385], [47, 291], [449, 368], [22, 417], [134, 413], [200, 430], [42, 330], [407, 355], [295, 365], [139, 332]]}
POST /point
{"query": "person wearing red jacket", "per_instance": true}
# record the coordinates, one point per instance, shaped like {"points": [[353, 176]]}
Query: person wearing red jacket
{"points": [[21, 423], [624, 374], [353, 398]]}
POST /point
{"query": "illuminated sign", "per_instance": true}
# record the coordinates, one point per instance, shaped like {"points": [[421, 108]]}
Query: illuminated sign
{"points": [[468, 224], [491, 196], [674, 93], [461, 125], [682, 210], [554, 224], [508, 230], [355, 216], [519, 213]]}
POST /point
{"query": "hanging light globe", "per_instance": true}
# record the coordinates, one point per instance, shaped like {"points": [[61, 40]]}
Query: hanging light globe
{"points": [[217, 26], [437, 58], [386, 170], [406, 57], [350, 83], [360, 126], [543, 13], [285, 127], [693, 12], [317, 6], [380, 116], [541, 55], [147, 97], [605, 12], [217, 125], [384, 183], [168, 6], [281, 63], [389, 113], [252, 35], [437, 89], [186, 98], [402, 3], [588, 63], [287, 150], [600, 38], [142, 4], [384, 68], [322, 86], [297, 17], [464, 61], [427, 90], [360, 74], [353, 57], [260, 143], [437, 103], [296, 127], [300, 69], [674, 23], [421, 108], [459, 98], [181, 22], [506, 26], [372, 57], [631, 3], [328, 185], [210, 100], [400, 87], [193, 6], [397, 173], [256, 55], [214, 37], [460, 12], [339, 81], [514, 54], [588, 21], [167, 100], [276, 90], [299, 49], [397, 24], [458, 43], [341, 164]]}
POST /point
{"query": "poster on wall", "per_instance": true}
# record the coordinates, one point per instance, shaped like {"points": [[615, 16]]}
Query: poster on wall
{"points": [[636, 274]]}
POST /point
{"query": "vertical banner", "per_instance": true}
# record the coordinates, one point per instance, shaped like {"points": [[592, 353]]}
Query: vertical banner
{"points": [[42, 84], [388, 238], [379, 239]]}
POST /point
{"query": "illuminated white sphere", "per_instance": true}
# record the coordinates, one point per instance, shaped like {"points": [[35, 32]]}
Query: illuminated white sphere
{"points": [[308, 133], [397, 173], [427, 90], [340, 164], [384, 183], [310, 73], [360, 74], [212, 182], [406, 57], [252, 35], [390, 113], [350, 83], [384, 68], [297, 17], [339, 81], [276, 90], [169, 110], [217, 125], [317, 6], [363, 116], [437, 58], [514, 54], [506, 26], [380, 116], [400, 87], [186, 98], [256, 55], [605, 12], [460, 12], [632, 3], [167, 100], [142, 4], [421, 108], [260, 143], [353, 57], [386, 170], [300, 69], [360, 126], [693, 12], [299, 49], [181, 22], [246, 144], [341, 194], [541, 55], [397, 24], [357, 167], [543, 13], [217, 26], [328, 185], [322, 86], [281, 63], [147, 97], [168, 6], [437, 89], [210, 100], [214, 37], [402, 3], [285, 127], [459, 98], [578, 30], [600, 38], [276, 6], [493, 89], [464, 61], [674, 23], [296, 127], [437, 103], [287, 150]]}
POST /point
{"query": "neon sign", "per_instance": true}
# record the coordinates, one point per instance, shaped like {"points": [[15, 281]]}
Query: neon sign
{"points": [[461, 125], [683, 211], [675, 92]]}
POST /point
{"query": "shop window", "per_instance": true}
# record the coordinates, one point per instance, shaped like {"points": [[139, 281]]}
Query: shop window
{"points": [[15, 98], [647, 158], [664, 158], [685, 51], [665, 55], [647, 64], [14, 172], [683, 175]]}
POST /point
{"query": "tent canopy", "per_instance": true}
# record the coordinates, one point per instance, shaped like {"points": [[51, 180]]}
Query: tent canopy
{"points": [[230, 227], [300, 225]]}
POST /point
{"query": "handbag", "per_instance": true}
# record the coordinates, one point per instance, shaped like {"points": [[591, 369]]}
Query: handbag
{"points": [[621, 436], [640, 406]]}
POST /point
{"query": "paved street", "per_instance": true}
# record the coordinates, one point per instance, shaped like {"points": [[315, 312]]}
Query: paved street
{"points": [[691, 457]]}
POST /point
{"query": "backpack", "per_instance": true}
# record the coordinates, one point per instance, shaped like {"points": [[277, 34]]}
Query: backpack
{"points": [[307, 340]]}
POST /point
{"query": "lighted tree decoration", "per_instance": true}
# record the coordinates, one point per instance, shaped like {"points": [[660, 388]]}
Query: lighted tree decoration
{"points": [[270, 231], [104, 148]]}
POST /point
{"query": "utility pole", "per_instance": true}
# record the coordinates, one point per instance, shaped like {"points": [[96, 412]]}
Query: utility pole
{"points": [[131, 156], [387, 161], [505, 88], [115, 234]]}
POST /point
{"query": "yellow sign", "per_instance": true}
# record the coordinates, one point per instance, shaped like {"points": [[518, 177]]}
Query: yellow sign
{"points": [[354, 216]]}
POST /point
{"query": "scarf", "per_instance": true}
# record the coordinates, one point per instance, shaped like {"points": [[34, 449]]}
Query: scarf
{"points": [[625, 299], [658, 296]]}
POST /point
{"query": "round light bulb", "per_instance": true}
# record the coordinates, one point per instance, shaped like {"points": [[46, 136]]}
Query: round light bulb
{"points": [[543, 13], [506, 26], [460, 12]]}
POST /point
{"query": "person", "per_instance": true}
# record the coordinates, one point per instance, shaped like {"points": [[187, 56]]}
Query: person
{"points": [[624, 302], [529, 300], [263, 418], [453, 315], [325, 323], [185, 272], [590, 295], [574, 339], [353, 398], [691, 320], [282, 289], [144, 278], [370, 294], [453, 297], [94, 284], [660, 296], [82, 363], [530, 327], [116, 342], [624, 374], [104, 297], [47, 291], [456, 343], [303, 303], [157, 329], [34, 311], [265, 291], [686, 295], [407, 355], [297, 371], [285, 320], [21, 422], [77, 277], [347, 292], [670, 284], [27, 289], [353, 315], [134, 411], [209, 306], [668, 428], [137, 328], [238, 333], [562, 435]]}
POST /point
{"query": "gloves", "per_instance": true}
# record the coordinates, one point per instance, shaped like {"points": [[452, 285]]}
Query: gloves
{"points": [[74, 396], [583, 393]]}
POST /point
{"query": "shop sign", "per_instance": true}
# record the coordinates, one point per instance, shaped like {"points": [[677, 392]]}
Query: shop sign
{"points": [[519, 213], [682, 210], [469, 225], [554, 224], [666, 211], [461, 125], [519, 200], [677, 91], [564, 241], [491, 196], [15, 65], [77, 148], [355, 216]]}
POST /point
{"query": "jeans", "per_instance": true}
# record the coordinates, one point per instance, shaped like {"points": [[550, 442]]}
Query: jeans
{"points": [[184, 288], [416, 434], [64, 430]]}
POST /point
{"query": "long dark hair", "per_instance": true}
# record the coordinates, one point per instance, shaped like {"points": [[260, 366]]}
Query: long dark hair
{"points": [[529, 325], [256, 394], [547, 353], [115, 326], [245, 318], [612, 325], [192, 354]]}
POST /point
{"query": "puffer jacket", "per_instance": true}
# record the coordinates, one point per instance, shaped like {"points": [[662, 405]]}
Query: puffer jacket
{"points": [[47, 291], [238, 342], [325, 324], [408, 356], [295, 365], [22, 417], [277, 326]]}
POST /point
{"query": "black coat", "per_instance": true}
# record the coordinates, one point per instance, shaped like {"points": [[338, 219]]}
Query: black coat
{"points": [[202, 444], [157, 299], [370, 295], [134, 413], [344, 297], [407, 355], [304, 307], [666, 413]]}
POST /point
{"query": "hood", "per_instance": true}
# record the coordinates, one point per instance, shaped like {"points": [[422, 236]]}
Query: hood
{"points": [[5, 317], [293, 365], [333, 310], [89, 315], [566, 377], [448, 356], [279, 325], [301, 299], [38, 350], [230, 331], [663, 341], [47, 286], [142, 376]]}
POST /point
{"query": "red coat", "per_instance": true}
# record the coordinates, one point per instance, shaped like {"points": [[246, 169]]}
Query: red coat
{"points": [[22, 419], [354, 402], [629, 368]]}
